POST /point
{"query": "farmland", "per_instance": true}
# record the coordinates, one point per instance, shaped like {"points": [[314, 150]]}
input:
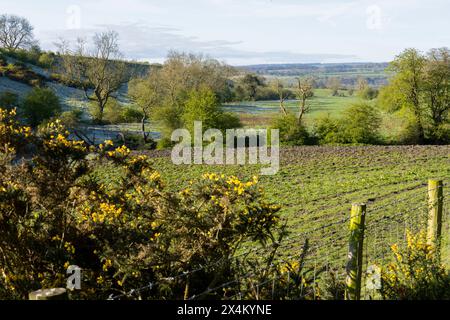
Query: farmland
{"points": [[315, 181]]}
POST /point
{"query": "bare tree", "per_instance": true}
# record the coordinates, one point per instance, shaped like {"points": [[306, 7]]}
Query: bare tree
{"points": [[279, 88], [15, 32], [100, 71], [304, 92]]}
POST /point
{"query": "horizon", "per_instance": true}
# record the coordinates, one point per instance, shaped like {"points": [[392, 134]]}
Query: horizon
{"points": [[247, 33]]}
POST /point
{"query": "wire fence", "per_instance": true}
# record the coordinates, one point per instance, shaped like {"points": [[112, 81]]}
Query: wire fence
{"points": [[313, 263]]}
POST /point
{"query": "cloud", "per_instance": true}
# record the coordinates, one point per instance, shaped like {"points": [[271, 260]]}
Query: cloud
{"points": [[140, 42]]}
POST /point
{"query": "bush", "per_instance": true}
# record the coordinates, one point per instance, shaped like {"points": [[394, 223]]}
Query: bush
{"points": [[136, 142], [39, 105], [46, 60], [328, 130], [368, 93], [112, 216], [9, 100], [130, 115], [415, 272], [359, 125], [71, 119], [291, 131], [112, 113]]}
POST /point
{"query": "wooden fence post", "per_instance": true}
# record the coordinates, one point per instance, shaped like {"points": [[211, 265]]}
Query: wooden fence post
{"points": [[355, 252], [49, 294], [435, 208]]}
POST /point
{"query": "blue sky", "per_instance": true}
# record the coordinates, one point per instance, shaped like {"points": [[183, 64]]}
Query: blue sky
{"points": [[247, 31]]}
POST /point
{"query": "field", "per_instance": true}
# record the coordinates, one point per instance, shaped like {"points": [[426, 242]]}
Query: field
{"points": [[261, 112], [316, 187]]}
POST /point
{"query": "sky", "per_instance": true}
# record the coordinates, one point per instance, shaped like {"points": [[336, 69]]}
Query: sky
{"points": [[244, 32]]}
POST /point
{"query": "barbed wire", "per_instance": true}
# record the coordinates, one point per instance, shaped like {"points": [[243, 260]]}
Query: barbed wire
{"points": [[316, 249]]}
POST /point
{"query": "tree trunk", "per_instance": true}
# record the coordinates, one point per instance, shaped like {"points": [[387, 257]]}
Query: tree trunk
{"points": [[144, 134]]}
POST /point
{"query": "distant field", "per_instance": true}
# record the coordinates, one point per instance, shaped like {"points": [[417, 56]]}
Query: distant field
{"points": [[261, 112]]}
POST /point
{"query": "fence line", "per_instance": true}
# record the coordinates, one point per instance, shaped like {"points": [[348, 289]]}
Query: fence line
{"points": [[330, 250]]}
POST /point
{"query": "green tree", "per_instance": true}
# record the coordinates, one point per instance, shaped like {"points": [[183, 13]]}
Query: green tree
{"points": [[250, 84], [147, 93], [39, 105], [405, 87], [437, 88], [203, 105]]}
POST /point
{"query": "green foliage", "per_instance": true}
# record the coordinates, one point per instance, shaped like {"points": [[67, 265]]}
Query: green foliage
{"points": [[415, 272], [359, 125], [71, 119], [115, 113], [46, 60], [421, 84], [327, 130], [9, 100], [203, 105], [40, 104], [368, 93], [291, 131], [130, 115]]}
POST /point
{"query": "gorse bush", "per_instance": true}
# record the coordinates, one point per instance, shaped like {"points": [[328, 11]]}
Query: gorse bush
{"points": [[415, 272], [124, 231]]}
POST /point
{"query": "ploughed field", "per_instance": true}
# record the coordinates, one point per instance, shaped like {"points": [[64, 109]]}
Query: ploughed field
{"points": [[317, 185]]}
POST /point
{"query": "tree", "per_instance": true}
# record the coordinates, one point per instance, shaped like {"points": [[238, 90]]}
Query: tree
{"points": [[437, 86], [361, 84], [282, 94], [163, 93], [15, 32], [39, 105], [250, 84], [100, 71], [304, 92], [334, 84], [407, 83], [147, 95]]}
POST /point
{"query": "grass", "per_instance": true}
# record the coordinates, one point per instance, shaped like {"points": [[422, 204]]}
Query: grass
{"points": [[323, 103]]}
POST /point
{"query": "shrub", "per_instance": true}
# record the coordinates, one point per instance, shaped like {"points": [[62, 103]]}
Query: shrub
{"points": [[9, 100], [46, 60], [415, 272], [359, 125], [328, 130], [291, 131], [112, 113], [71, 119], [368, 93], [40, 104]]}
